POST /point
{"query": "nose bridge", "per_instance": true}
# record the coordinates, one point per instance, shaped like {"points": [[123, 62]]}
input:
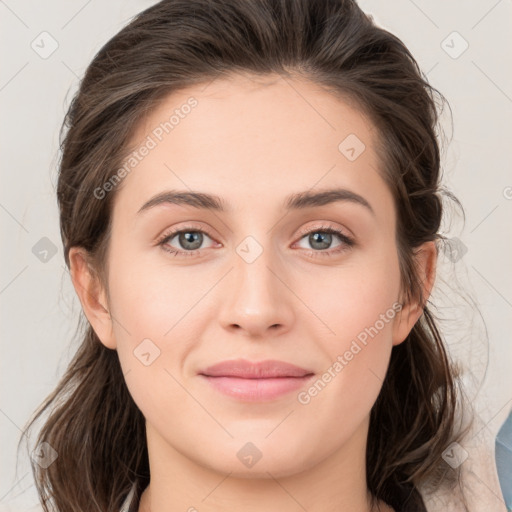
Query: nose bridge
{"points": [[256, 298]]}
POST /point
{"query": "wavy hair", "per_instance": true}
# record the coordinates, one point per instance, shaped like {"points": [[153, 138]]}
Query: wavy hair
{"points": [[92, 421]]}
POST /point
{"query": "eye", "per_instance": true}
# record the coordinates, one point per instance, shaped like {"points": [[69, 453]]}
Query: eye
{"points": [[190, 239], [321, 238]]}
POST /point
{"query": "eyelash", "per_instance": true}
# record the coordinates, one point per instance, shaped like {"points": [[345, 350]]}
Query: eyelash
{"points": [[347, 242]]}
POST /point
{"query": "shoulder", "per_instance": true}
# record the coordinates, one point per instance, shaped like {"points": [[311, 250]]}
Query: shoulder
{"points": [[480, 488]]}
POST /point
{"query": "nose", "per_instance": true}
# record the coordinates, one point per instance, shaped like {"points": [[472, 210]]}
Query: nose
{"points": [[255, 296]]}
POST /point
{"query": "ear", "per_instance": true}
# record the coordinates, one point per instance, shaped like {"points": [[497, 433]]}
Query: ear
{"points": [[92, 296], [426, 262]]}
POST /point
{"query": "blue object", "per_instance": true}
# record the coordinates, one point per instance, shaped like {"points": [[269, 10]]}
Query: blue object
{"points": [[504, 460]]}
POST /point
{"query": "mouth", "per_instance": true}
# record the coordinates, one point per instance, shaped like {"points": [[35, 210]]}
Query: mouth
{"points": [[260, 381]]}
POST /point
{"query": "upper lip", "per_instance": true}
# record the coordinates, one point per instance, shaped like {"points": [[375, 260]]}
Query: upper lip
{"points": [[254, 370]]}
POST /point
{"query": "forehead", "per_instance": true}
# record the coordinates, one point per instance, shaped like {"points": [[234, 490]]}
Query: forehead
{"points": [[247, 136]]}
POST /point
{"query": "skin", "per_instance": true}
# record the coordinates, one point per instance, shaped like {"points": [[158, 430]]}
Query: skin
{"points": [[250, 139]]}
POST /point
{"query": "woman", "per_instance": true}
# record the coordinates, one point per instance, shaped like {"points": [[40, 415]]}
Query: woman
{"points": [[249, 203]]}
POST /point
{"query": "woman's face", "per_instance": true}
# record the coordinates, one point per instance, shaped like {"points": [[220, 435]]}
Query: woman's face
{"points": [[259, 280]]}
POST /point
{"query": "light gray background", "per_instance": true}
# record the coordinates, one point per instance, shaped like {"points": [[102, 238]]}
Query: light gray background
{"points": [[38, 306]]}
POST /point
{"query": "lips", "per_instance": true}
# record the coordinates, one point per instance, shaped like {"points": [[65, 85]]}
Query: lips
{"points": [[255, 382], [244, 369]]}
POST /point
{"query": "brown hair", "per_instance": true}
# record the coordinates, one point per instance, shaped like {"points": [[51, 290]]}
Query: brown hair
{"points": [[94, 425]]}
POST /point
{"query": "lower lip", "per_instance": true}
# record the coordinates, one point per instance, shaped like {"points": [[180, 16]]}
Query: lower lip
{"points": [[257, 389]]}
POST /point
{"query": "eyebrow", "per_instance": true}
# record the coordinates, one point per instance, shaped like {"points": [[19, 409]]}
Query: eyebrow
{"points": [[296, 201]]}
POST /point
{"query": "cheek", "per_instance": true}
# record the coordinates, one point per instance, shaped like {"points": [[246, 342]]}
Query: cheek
{"points": [[159, 326], [357, 308], [153, 300], [159, 314], [357, 360], [350, 299]]}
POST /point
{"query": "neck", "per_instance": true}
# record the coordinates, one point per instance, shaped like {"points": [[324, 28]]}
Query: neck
{"points": [[336, 483]]}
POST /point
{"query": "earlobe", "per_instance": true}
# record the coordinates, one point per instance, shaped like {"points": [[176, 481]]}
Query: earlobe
{"points": [[426, 262], [92, 296]]}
